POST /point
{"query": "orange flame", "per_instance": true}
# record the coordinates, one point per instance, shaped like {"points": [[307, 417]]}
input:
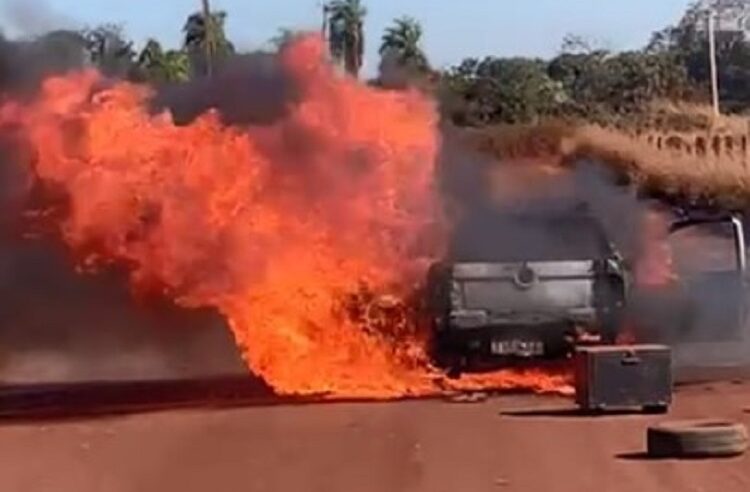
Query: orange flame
{"points": [[655, 266], [275, 226]]}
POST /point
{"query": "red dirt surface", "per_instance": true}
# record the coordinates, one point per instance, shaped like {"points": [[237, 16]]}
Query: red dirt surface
{"points": [[509, 443]]}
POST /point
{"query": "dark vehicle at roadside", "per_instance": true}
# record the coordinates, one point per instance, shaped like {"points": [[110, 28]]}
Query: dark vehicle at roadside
{"points": [[527, 285], [535, 284]]}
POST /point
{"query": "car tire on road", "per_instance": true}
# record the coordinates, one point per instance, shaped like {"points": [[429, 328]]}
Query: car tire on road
{"points": [[453, 365], [697, 439]]}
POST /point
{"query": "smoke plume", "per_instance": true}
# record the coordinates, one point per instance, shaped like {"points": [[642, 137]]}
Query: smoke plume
{"points": [[32, 18], [59, 325], [685, 287], [248, 89]]}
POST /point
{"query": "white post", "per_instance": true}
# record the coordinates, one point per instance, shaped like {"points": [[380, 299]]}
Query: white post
{"points": [[712, 61]]}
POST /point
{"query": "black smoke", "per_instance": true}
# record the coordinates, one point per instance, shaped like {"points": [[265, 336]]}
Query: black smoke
{"points": [[25, 64], [702, 314], [247, 89], [57, 325]]}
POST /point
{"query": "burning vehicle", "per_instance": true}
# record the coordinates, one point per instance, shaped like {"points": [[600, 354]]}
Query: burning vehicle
{"points": [[547, 281], [535, 284], [247, 221]]}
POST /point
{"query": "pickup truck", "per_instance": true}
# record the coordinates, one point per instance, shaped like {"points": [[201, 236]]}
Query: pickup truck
{"points": [[525, 286], [535, 285]]}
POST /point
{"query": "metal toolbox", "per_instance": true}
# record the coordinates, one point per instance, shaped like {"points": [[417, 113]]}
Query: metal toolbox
{"points": [[624, 377]]}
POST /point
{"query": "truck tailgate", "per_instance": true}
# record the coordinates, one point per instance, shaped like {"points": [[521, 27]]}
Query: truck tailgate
{"points": [[556, 286]]}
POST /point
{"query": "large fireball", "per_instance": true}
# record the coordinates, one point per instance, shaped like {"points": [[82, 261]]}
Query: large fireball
{"points": [[278, 227]]}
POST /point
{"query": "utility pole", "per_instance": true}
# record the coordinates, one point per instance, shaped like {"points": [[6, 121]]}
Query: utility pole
{"points": [[324, 26], [712, 61], [210, 41]]}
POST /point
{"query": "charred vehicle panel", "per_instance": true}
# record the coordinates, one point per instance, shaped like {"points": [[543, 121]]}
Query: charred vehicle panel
{"points": [[706, 301], [521, 286]]}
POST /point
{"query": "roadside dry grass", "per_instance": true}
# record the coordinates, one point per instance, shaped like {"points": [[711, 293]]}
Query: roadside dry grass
{"points": [[720, 176], [678, 151]]}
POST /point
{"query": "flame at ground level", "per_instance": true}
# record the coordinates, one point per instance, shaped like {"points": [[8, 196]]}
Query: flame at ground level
{"points": [[558, 381], [274, 226]]}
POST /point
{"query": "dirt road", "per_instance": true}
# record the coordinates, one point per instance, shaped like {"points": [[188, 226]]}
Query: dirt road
{"points": [[508, 443]]}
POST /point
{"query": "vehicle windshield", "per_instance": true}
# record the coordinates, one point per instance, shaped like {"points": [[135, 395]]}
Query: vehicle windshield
{"points": [[507, 238]]}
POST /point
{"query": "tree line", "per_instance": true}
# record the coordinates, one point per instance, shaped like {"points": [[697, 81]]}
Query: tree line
{"points": [[581, 81]]}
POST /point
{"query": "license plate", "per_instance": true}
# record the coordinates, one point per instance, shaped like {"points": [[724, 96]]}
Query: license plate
{"points": [[518, 348]]}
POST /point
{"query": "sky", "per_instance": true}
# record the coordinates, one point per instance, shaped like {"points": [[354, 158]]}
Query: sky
{"points": [[453, 29]]}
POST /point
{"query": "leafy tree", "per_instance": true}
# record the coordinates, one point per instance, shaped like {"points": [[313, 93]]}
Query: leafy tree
{"points": [[201, 37], [109, 50], [579, 73], [401, 42], [688, 42], [159, 66], [599, 84], [346, 36], [595, 85], [503, 90], [636, 78]]}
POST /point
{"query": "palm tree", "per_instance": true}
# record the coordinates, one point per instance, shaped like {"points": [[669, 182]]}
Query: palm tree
{"points": [[401, 42], [346, 37], [176, 66], [201, 39]]}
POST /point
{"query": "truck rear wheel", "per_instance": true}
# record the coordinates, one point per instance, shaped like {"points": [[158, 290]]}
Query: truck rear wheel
{"points": [[446, 356], [453, 365]]}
